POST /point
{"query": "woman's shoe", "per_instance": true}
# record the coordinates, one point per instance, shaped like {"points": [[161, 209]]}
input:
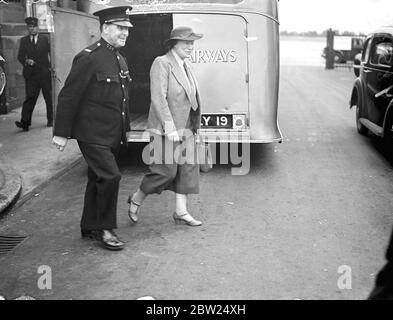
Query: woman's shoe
{"points": [[186, 219], [133, 215]]}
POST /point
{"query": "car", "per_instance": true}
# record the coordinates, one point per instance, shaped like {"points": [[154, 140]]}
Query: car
{"points": [[338, 56], [372, 93], [346, 48]]}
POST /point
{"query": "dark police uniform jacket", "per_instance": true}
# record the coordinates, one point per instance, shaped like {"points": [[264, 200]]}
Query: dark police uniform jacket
{"points": [[38, 52], [93, 104]]}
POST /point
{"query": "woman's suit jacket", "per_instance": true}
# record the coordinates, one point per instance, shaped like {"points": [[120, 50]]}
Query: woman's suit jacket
{"points": [[170, 99]]}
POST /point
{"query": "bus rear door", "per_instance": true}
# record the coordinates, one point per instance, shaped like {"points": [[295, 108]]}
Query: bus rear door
{"points": [[221, 67]]}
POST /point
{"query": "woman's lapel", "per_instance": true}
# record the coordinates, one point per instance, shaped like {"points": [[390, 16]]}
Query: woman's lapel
{"points": [[179, 75]]}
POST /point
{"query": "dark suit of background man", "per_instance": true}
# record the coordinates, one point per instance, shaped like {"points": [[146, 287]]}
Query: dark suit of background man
{"points": [[93, 109], [34, 54]]}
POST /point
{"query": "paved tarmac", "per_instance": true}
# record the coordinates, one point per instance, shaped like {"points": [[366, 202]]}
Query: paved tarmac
{"points": [[310, 208]]}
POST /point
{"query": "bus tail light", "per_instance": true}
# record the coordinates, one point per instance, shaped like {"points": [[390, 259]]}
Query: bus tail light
{"points": [[239, 121]]}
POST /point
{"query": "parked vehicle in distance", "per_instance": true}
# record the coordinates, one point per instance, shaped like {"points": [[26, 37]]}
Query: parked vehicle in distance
{"points": [[346, 48], [372, 93]]}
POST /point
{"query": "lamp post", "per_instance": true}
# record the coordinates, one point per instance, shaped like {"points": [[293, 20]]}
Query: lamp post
{"points": [[330, 49]]}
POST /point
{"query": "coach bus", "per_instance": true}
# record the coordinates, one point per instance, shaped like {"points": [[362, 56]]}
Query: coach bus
{"points": [[236, 62]]}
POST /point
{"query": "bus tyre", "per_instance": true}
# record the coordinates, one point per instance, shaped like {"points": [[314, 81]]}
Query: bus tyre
{"points": [[338, 57], [361, 128]]}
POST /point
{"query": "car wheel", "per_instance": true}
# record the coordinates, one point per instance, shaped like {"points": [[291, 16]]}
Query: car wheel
{"points": [[338, 57], [361, 128]]}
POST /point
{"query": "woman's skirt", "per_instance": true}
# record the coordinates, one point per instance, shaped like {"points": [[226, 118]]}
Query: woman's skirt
{"points": [[172, 165]]}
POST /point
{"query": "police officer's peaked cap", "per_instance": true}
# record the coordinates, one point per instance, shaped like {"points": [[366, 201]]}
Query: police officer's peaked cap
{"points": [[116, 15], [31, 21]]}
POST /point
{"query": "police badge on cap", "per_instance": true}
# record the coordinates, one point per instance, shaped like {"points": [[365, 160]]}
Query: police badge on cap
{"points": [[116, 15]]}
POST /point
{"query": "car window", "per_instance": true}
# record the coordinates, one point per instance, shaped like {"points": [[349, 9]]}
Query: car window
{"points": [[357, 42], [382, 52]]}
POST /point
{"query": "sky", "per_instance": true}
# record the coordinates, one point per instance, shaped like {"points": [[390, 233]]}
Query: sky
{"points": [[343, 15]]}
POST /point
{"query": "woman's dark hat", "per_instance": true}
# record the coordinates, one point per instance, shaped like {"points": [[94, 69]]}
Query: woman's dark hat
{"points": [[31, 21], [184, 33], [116, 15]]}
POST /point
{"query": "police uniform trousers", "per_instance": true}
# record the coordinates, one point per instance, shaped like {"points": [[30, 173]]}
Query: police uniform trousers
{"points": [[34, 83], [100, 204], [182, 178]]}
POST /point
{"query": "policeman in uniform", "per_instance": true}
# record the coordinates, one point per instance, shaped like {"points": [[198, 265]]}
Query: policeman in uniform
{"points": [[93, 109], [34, 52]]}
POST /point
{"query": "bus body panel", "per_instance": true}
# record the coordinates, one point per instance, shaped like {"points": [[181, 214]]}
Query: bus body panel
{"points": [[69, 41], [219, 60], [264, 66], [265, 7]]}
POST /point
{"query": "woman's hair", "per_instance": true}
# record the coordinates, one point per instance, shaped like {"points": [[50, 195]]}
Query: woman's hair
{"points": [[170, 44]]}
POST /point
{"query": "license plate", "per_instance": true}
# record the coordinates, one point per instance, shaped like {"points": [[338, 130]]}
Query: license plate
{"points": [[217, 121]]}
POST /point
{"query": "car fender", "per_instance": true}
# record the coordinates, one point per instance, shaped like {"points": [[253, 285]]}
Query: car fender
{"points": [[356, 91]]}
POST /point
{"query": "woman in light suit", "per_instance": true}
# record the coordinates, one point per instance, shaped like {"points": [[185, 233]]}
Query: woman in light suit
{"points": [[174, 119]]}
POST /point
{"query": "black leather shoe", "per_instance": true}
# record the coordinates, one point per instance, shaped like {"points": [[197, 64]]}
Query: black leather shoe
{"points": [[49, 124], [21, 125], [110, 240], [89, 234]]}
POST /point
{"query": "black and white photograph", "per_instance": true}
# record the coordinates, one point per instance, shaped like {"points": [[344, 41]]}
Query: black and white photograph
{"points": [[209, 152]]}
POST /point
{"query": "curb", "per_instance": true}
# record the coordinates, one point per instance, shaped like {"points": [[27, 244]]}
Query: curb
{"points": [[41, 186], [11, 188]]}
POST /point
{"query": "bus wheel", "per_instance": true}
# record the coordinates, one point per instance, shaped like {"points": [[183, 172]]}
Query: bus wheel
{"points": [[338, 57], [361, 128]]}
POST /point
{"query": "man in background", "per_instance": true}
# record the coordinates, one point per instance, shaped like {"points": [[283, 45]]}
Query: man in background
{"points": [[34, 54]]}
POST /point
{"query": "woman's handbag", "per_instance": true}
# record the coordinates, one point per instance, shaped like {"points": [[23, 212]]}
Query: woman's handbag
{"points": [[205, 157]]}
